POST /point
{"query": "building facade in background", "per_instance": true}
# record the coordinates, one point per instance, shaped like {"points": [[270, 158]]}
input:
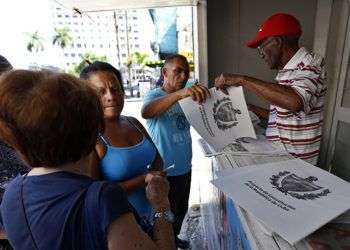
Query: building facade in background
{"points": [[114, 34], [120, 34]]}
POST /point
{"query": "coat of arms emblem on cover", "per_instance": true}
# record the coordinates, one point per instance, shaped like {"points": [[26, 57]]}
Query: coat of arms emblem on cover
{"points": [[298, 187], [225, 115]]}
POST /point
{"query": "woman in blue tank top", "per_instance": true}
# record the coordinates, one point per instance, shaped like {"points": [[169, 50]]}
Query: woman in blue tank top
{"points": [[125, 152]]}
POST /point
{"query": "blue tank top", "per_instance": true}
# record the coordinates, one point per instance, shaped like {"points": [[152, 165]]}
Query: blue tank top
{"points": [[123, 163]]}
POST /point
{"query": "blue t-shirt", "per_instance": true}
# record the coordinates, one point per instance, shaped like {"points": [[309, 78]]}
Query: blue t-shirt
{"points": [[171, 133], [64, 211]]}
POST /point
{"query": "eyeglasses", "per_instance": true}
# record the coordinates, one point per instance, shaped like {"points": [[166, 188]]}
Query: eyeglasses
{"points": [[262, 46]]}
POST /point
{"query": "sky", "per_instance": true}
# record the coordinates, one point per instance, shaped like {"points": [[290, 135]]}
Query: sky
{"points": [[18, 17]]}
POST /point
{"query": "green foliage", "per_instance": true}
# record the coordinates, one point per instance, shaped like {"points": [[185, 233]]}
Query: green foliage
{"points": [[62, 38], [155, 64], [86, 59], [35, 42], [137, 58]]}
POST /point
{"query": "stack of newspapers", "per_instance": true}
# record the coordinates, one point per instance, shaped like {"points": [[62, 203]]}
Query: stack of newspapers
{"points": [[286, 198]]}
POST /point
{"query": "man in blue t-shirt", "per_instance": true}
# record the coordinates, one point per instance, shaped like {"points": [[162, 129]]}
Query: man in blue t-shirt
{"points": [[170, 131]]}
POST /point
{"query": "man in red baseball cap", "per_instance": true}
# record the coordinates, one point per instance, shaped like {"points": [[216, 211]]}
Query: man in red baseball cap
{"points": [[297, 97]]}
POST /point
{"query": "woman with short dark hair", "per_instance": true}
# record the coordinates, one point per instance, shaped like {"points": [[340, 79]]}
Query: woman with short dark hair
{"points": [[53, 121]]}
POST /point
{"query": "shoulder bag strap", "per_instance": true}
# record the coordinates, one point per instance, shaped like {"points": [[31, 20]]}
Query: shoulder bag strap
{"points": [[25, 214]]}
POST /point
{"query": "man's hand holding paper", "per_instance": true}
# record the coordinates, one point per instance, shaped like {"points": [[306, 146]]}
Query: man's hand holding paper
{"points": [[220, 119], [197, 92]]}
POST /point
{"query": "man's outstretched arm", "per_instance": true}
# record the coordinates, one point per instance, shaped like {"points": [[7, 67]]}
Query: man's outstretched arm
{"points": [[276, 94], [160, 105]]}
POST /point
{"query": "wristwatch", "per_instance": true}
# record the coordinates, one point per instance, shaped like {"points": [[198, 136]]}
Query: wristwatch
{"points": [[167, 215]]}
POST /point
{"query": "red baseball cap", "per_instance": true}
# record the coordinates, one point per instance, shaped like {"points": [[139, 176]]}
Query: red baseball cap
{"points": [[279, 24]]}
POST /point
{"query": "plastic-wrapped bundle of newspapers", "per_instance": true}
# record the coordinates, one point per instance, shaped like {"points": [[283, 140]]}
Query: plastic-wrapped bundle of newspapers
{"points": [[218, 228]]}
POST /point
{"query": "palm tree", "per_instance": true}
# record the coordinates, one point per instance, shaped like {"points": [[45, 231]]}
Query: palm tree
{"points": [[86, 59], [116, 26], [35, 42], [140, 58], [62, 38]]}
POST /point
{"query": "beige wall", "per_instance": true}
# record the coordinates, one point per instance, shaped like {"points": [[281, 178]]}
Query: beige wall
{"points": [[231, 22]]}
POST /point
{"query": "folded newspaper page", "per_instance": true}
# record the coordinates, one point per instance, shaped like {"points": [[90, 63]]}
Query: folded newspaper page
{"points": [[246, 146], [292, 198], [221, 119]]}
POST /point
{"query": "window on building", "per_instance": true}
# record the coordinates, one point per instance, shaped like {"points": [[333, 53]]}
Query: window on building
{"points": [[137, 46], [101, 46], [123, 55], [59, 15], [65, 54], [72, 54], [92, 45], [66, 16], [78, 45], [84, 45]]}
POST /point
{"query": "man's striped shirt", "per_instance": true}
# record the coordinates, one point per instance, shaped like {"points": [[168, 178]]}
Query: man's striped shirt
{"points": [[300, 132]]}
